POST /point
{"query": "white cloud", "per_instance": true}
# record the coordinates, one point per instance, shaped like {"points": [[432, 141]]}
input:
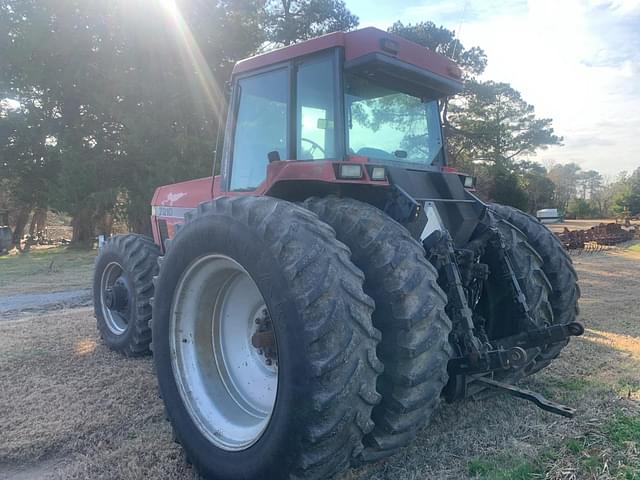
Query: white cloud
{"points": [[621, 7]]}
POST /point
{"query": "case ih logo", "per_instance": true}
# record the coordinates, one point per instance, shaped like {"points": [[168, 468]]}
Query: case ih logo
{"points": [[173, 198]]}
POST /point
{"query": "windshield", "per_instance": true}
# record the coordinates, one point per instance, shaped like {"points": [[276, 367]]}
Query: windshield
{"points": [[391, 126]]}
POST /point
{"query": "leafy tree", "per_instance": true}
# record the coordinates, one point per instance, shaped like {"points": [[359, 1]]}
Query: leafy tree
{"points": [[538, 187], [489, 126], [565, 178], [291, 21], [133, 93], [589, 183], [494, 124], [29, 159], [441, 40], [628, 200], [505, 187], [579, 208], [472, 61]]}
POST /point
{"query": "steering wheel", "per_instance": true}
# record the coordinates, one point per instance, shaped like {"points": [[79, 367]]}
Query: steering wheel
{"points": [[314, 146]]}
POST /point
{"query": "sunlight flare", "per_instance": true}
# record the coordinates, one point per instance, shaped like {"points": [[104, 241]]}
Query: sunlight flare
{"points": [[84, 346], [193, 59]]}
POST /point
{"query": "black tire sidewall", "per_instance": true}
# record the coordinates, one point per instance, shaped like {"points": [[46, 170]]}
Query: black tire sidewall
{"points": [[273, 455], [107, 256]]}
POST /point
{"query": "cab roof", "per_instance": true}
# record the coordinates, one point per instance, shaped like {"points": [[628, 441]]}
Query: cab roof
{"points": [[358, 44]]}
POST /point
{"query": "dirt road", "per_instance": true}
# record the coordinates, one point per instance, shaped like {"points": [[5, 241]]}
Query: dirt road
{"points": [[32, 302], [69, 408]]}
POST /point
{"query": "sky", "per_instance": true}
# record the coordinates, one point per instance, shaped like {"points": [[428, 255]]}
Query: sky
{"points": [[576, 61]]}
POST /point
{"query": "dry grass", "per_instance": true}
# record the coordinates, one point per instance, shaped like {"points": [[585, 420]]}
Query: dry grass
{"points": [[70, 403], [45, 269], [69, 408]]}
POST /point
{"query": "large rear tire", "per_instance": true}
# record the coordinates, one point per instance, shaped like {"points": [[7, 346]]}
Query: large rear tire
{"points": [[122, 290], [557, 266], [323, 353], [409, 312]]}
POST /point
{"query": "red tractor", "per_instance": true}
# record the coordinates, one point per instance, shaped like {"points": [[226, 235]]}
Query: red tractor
{"points": [[308, 308]]}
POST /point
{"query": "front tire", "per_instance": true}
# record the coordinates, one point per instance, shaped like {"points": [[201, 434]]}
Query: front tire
{"points": [[122, 290], [324, 355]]}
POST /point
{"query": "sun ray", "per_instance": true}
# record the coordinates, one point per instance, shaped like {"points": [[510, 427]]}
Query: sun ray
{"points": [[194, 60]]}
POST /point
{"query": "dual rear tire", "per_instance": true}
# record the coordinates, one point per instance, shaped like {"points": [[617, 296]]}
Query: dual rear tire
{"points": [[410, 313], [263, 338]]}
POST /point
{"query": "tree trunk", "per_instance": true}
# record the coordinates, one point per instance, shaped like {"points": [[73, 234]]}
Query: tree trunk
{"points": [[41, 220], [21, 223], [38, 222], [36, 229], [83, 227], [104, 224], [32, 226]]}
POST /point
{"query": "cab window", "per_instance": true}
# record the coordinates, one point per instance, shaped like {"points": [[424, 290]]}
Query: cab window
{"points": [[261, 127], [315, 109]]}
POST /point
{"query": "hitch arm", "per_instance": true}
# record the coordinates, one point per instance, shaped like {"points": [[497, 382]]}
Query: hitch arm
{"points": [[542, 336], [534, 397]]}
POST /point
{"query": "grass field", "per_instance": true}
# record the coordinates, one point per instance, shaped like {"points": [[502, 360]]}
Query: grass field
{"points": [[46, 269], [70, 408]]}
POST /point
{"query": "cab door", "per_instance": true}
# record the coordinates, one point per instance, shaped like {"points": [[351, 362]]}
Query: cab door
{"points": [[261, 127], [289, 112]]}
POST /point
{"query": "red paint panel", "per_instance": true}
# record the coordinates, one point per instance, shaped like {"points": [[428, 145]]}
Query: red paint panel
{"points": [[317, 170], [357, 159], [191, 193], [283, 54], [367, 40], [356, 44], [184, 194], [303, 170], [300, 170]]}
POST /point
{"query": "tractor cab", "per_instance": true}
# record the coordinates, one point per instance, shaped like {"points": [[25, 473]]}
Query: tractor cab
{"points": [[365, 96], [353, 114]]}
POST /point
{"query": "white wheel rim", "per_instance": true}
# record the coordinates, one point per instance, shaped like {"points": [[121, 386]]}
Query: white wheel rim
{"points": [[228, 386]]}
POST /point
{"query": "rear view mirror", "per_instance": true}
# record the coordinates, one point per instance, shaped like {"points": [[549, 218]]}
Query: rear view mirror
{"points": [[273, 156]]}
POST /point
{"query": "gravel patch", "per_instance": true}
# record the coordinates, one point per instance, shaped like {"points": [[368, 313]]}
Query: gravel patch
{"points": [[32, 302]]}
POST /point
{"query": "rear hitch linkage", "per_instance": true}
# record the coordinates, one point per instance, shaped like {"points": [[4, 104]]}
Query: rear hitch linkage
{"points": [[478, 356], [534, 397]]}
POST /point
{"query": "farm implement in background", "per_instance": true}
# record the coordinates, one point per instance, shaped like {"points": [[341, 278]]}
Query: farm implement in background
{"points": [[597, 238]]}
